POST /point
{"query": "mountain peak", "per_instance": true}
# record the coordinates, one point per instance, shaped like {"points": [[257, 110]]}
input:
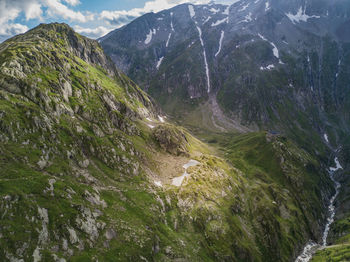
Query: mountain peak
{"points": [[54, 26], [59, 39]]}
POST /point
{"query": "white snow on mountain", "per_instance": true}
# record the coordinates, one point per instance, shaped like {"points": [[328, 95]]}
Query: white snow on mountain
{"points": [[160, 62], [205, 58], [206, 20], [244, 7], [269, 67], [167, 42], [300, 16], [275, 50], [219, 22], [149, 36], [220, 43], [326, 137], [226, 11], [213, 10], [191, 10]]}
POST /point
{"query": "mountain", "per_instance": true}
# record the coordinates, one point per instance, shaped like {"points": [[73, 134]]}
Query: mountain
{"points": [[278, 65], [91, 170]]}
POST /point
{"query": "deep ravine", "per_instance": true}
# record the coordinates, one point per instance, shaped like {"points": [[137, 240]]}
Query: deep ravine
{"points": [[311, 247]]}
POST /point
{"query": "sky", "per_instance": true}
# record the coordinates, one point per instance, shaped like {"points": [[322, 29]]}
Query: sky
{"points": [[92, 18]]}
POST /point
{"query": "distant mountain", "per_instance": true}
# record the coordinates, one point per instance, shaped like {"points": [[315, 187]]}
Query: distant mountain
{"points": [[255, 64]]}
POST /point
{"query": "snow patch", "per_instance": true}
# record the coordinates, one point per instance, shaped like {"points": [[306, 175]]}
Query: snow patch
{"points": [[275, 50], [300, 16], [244, 7], [160, 18], [191, 10], [150, 126], [226, 11], [171, 22], [177, 181], [213, 10], [167, 42], [192, 13], [269, 67], [205, 58], [160, 62], [262, 37], [149, 36], [326, 137], [220, 22], [267, 6], [220, 43], [191, 44], [206, 20]]}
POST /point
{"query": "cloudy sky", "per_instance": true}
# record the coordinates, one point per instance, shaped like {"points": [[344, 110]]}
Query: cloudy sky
{"points": [[93, 18]]}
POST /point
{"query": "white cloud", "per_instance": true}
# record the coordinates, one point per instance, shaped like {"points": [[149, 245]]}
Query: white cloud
{"points": [[92, 32], [12, 29], [121, 17], [56, 8], [10, 10], [33, 11], [72, 2]]}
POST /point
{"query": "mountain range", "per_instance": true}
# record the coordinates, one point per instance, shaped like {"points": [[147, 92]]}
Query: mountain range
{"points": [[253, 59], [199, 133]]}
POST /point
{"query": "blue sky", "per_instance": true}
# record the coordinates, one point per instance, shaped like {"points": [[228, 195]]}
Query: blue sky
{"points": [[93, 18]]}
